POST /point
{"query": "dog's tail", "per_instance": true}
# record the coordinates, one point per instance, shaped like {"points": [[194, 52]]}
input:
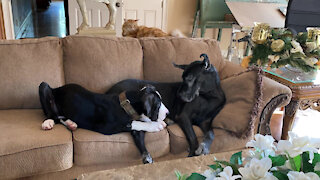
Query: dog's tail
{"points": [[177, 33]]}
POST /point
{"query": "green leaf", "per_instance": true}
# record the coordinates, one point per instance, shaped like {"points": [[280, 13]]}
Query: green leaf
{"points": [[236, 158], [295, 162], [306, 166], [180, 176], [318, 173], [215, 166], [278, 160], [233, 166], [196, 176], [316, 159], [280, 175]]}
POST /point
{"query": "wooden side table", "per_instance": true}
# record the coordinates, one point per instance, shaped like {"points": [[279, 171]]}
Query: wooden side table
{"points": [[305, 89]]}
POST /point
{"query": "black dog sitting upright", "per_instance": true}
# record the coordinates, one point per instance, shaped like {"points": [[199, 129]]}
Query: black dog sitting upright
{"points": [[132, 111], [195, 101]]}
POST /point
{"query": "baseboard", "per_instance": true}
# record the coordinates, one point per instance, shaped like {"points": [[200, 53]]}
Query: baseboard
{"points": [[27, 21]]}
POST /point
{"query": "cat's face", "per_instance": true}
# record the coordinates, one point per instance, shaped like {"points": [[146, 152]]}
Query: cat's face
{"points": [[129, 27]]}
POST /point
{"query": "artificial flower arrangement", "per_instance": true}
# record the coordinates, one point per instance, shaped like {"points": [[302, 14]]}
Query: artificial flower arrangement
{"points": [[295, 159], [279, 47]]}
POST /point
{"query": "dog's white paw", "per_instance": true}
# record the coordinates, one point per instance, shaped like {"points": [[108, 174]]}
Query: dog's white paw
{"points": [[71, 125], [47, 124], [146, 158], [202, 149], [156, 126]]}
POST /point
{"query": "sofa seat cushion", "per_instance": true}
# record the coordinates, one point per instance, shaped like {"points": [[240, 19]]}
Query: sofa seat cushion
{"points": [[97, 63], [24, 64], [222, 142], [26, 149], [92, 148]]}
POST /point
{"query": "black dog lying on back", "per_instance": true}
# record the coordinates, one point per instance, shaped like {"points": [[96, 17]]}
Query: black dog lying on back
{"points": [[131, 111], [195, 101]]}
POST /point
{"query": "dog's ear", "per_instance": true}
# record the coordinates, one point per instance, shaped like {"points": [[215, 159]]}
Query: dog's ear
{"points": [[181, 66], [147, 107], [148, 89], [206, 62]]}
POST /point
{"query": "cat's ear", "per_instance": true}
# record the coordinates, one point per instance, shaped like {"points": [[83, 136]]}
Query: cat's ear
{"points": [[125, 20]]}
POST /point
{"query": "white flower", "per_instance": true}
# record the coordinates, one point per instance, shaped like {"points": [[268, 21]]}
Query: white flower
{"points": [[257, 170], [297, 145], [311, 46], [294, 175], [226, 174], [296, 47], [274, 58], [264, 146], [311, 61], [210, 174], [317, 167], [261, 142]]}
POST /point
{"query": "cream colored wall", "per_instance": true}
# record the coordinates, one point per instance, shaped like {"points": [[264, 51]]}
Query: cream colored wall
{"points": [[181, 15]]}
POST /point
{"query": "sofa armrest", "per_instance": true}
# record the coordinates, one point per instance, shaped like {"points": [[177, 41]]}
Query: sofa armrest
{"points": [[274, 95]]}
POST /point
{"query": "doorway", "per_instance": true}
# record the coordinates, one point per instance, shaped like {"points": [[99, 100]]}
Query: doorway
{"points": [[39, 18]]}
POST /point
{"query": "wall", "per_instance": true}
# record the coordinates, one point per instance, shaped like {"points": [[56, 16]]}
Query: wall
{"points": [[22, 13], [181, 16]]}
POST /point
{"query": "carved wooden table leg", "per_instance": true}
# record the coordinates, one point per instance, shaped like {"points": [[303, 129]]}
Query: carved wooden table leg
{"points": [[290, 112]]}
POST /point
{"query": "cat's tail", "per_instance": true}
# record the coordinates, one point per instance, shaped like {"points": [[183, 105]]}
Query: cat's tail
{"points": [[177, 33]]}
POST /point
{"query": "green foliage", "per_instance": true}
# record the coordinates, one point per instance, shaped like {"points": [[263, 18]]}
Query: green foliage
{"points": [[316, 159], [196, 176], [236, 158], [180, 176], [281, 175], [302, 37], [295, 163], [233, 166], [306, 166], [215, 166], [318, 173], [278, 160], [261, 52]]}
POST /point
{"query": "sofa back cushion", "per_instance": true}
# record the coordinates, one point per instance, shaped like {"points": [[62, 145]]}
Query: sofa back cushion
{"points": [[159, 53], [97, 63], [24, 64]]}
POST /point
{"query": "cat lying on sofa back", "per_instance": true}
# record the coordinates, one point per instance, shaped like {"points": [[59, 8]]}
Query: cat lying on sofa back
{"points": [[130, 28]]}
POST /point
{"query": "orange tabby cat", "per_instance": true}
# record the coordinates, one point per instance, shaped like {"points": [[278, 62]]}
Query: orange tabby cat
{"points": [[130, 28]]}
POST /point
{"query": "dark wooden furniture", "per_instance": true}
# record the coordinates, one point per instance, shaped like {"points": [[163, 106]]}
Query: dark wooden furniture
{"points": [[305, 89]]}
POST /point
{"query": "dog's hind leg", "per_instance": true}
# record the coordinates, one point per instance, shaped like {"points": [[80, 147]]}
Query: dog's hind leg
{"points": [[204, 147], [138, 137], [49, 106]]}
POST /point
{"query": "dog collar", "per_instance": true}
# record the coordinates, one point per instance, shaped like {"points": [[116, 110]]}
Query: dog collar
{"points": [[125, 104]]}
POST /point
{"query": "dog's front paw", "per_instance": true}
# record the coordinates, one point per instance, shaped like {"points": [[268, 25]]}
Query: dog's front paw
{"points": [[202, 149], [156, 126], [146, 158], [47, 124], [71, 125]]}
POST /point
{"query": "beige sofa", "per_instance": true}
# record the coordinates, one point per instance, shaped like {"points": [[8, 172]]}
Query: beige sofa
{"points": [[28, 152]]}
